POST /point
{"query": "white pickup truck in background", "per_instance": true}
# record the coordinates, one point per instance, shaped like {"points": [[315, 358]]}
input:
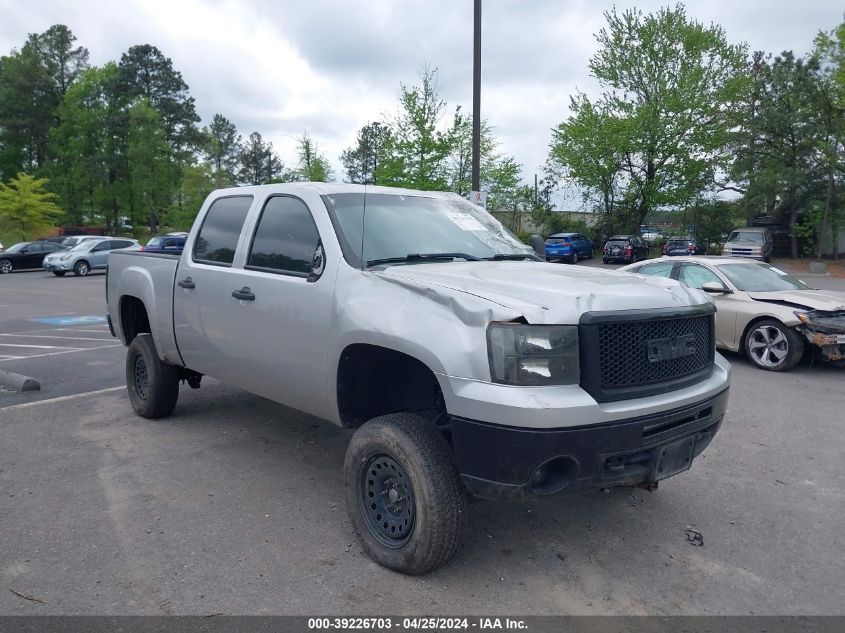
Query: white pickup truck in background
{"points": [[466, 364]]}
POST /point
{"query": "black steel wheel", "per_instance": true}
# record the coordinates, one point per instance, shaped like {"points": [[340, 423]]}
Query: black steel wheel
{"points": [[404, 497], [153, 385], [387, 500]]}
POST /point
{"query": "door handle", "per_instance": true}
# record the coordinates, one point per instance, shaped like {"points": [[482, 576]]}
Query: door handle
{"points": [[186, 283], [244, 294]]}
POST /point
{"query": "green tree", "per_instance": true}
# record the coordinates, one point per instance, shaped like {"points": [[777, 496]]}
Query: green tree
{"points": [[416, 153], [150, 168], [774, 158], [362, 162], [828, 97], [79, 144], [668, 85], [223, 146], [198, 180], [585, 150], [26, 208], [313, 166], [145, 72], [33, 82], [258, 163], [459, 161]]}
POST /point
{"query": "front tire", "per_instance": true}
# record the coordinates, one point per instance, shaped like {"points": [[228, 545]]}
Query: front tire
{"points": [[404, 498], [81, 269], [5, 266], [772, 346], [59, 273], [153, 385]]}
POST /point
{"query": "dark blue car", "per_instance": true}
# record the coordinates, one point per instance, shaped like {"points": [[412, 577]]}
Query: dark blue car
{"points": [[165, 244], [568, 246]]}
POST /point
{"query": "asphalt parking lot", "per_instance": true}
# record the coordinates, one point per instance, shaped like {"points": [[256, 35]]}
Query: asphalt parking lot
{"points": [[234, 504]]}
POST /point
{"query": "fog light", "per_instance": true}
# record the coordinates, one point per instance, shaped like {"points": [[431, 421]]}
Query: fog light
{"points": [[553, 475]]}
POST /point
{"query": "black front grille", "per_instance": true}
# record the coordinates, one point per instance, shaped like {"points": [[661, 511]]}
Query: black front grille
{"points": [[634, 354]]}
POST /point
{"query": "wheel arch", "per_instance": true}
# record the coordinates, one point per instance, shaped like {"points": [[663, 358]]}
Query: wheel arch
{"points": [[374, 380]]}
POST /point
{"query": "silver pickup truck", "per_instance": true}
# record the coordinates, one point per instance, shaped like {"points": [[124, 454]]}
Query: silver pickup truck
{"points": [[465, 363]]}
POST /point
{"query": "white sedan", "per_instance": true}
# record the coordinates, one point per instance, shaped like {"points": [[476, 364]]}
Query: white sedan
{"points": [[761, 310]]}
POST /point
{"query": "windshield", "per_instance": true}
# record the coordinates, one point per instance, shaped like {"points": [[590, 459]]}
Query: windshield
{"points": [[395, 226], [680, 240], [85, 245], [745, 236], [155, 241], [17, 248], [760, 278]]}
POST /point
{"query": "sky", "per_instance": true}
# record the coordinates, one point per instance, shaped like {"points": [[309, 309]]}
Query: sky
{"points": [[280, 67]]}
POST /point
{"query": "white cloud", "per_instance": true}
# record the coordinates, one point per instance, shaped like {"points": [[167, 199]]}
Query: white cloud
{"points": [[331, 66]]}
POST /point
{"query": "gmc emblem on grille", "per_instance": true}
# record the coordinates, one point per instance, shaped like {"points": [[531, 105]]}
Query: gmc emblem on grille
{"points": [[660, 349]]}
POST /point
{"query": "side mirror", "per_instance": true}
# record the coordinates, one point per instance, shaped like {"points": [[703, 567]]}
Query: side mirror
{"points": [[714, 287], [539, 246], [318, 264]]}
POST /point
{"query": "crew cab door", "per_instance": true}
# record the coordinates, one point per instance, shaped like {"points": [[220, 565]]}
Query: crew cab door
{"points": [[267, 323]]}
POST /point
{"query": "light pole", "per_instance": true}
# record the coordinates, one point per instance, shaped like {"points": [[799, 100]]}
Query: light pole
{"points": [[476, 96]]}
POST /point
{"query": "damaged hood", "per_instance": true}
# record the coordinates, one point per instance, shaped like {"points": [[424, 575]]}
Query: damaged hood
{"points": [[548, 293], [826, 300]]}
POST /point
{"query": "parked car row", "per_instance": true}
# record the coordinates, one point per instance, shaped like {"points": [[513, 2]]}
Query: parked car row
{"points": [[79, 254]]}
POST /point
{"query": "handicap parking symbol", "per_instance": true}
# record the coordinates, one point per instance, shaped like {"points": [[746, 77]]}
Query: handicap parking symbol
{"points": [[71, 320]]}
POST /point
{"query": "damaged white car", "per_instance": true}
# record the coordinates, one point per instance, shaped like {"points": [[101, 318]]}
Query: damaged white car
{"points": [[762, 311]]}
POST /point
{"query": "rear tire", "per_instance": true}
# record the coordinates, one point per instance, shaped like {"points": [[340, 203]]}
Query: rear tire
{"points": [[403, 495], [81, 269], [573, 259], [604, 260], [153, 385], [772, 346]]}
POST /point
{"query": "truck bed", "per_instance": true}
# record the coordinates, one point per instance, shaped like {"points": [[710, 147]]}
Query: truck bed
{"points": [[150, 277]]}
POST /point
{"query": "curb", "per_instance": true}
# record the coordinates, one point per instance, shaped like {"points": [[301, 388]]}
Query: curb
{"points": [[18, 382]]}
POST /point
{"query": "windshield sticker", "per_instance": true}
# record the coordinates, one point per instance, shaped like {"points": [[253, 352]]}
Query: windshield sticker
{"points": [[465, 222]]}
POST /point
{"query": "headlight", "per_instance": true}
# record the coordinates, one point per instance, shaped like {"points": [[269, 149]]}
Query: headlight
{"points": [[64, 258], [533, 354], [804, 317]]}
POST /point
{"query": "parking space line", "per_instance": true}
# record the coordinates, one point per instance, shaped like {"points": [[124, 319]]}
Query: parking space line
{"points": [[66, 351], [37, 346], [26, 405], [105, 330], [65, 338]]}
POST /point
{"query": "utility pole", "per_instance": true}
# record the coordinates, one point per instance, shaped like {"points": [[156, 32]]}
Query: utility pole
{"points": [[476, 97]]}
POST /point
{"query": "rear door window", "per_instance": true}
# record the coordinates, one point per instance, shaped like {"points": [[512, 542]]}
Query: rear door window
{"points": [[660, 269], [218, 236]]}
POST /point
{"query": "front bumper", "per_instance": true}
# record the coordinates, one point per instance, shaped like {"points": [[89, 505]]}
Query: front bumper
{"points": [[51, 266], [507, 462], [756, 256]]}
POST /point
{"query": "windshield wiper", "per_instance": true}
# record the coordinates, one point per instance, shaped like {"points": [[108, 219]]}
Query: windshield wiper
{"points": [[419, 257], [513, 257]]}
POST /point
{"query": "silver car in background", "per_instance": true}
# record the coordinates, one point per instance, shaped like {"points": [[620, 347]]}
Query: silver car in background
{"points": [[751, 243], [89, 254]]}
